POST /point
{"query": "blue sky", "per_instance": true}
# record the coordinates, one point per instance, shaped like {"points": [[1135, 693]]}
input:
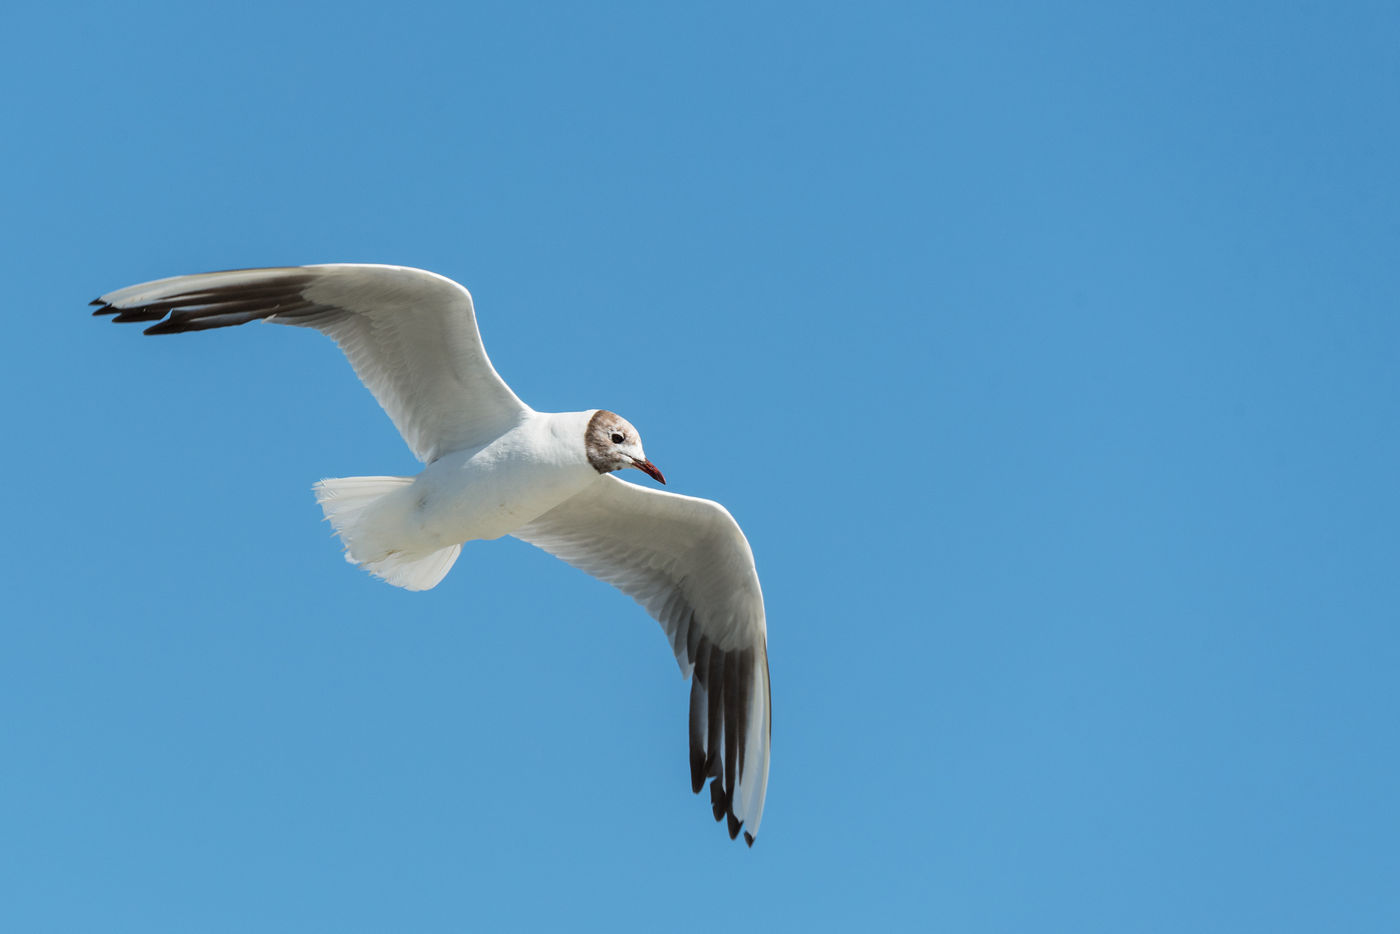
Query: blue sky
{"points": [[1047, 357]]}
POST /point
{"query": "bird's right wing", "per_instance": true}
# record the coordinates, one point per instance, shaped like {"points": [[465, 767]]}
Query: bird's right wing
{"points": [[410, 334], [687, 562]]}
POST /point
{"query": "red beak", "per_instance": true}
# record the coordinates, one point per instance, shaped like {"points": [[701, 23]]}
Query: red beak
{"points": [[648, 468]]}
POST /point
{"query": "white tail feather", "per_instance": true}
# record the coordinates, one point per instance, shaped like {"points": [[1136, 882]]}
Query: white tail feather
{"points": [[347, 503]]}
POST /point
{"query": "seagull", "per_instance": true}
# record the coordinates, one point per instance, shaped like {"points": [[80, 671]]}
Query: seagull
{"points": [[494, 467]]}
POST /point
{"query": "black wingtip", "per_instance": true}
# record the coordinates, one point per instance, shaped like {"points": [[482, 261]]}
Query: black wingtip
{"points": [[748, 838], [138, 314], [103, 309], [97, 301], [723, 808]]}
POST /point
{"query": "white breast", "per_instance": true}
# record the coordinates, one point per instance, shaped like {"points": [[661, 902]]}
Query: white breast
{"points": [[492, 490]]}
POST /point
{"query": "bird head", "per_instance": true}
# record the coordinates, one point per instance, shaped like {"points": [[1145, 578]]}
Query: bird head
{"points": [[613, 444]]}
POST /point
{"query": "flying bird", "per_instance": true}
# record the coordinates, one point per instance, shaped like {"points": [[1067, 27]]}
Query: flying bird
{"points": [[494, 467]]}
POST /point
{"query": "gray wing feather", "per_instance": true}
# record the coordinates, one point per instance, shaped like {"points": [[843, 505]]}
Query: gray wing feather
{"points": [[410, 335], [687, 562]]}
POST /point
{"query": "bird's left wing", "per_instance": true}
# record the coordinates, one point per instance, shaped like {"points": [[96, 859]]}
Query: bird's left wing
{"points": [[410, 335], [687, 562]]}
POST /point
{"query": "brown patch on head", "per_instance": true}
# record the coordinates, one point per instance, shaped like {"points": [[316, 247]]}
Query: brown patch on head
{"points": [[605, 431]]}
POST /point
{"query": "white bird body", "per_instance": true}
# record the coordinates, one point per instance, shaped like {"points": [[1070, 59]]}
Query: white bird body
{"points": [[494, 489], [496, 467], [476, 494]]}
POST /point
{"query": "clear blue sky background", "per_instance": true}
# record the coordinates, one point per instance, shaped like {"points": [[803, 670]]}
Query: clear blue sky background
{"points": [[1048, 358]]}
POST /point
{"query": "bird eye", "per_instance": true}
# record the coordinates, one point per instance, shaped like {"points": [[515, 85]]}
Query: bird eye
{"points": [[617, 437]]}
